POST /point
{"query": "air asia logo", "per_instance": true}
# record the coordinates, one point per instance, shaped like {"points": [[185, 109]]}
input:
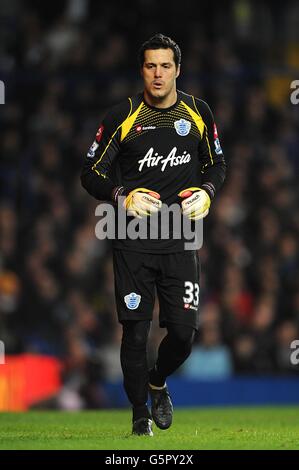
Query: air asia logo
{"points": [[99, 134], [140, 128], [218, 148], [154, 159]]}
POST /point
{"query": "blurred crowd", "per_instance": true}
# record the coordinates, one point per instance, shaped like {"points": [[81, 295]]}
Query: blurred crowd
{"points": [[63, 65]]}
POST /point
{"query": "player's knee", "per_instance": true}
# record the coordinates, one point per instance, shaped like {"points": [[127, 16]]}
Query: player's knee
{"points": [[182, 336], [135, 334]]}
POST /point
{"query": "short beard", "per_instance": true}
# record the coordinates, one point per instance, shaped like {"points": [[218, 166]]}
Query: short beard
{"points": [[159, 98]]}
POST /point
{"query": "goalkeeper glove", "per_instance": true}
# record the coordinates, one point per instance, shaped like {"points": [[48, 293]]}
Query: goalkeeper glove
{"points": [[196, 203], [142, 202]]}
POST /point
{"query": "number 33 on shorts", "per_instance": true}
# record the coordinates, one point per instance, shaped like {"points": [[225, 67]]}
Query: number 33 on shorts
{"points": [[191, 299]]}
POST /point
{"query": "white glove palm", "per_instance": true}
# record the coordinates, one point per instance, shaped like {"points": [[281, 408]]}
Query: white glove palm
{"points": [[142, 202], [196, 203]]}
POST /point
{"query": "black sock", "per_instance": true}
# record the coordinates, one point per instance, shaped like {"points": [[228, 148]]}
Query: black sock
{"points": [[134, 365], [173, 351], [140, 412], [155, 378]]}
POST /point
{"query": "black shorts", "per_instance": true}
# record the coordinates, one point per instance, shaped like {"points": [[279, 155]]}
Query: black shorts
{"points": [[175, 276]]}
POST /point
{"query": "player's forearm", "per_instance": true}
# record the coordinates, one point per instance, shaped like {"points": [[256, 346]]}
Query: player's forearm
{"points": [[98, 186], [213, 178]]}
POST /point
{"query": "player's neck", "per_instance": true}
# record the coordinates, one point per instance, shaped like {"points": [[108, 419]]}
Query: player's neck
{"points": [[165, 102]]}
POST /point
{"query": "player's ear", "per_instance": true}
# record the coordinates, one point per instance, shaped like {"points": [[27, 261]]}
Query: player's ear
{"points": [[178, 71]]}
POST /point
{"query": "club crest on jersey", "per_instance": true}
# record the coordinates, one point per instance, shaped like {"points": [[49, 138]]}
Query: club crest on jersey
{"points": [[182, 127], [132, 300]]}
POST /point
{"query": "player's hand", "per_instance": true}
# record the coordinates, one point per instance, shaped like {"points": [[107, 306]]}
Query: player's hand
{"points": [[142, 202], [196, 203]]}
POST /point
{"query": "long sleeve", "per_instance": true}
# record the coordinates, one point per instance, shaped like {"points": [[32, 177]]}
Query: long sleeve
{"points": [[213, 167], [96, 175]]}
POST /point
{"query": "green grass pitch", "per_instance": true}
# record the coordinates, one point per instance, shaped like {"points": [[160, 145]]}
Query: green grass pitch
{"points": [[193, 428]]}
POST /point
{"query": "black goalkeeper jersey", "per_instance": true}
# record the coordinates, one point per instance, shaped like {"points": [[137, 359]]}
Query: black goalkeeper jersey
{"points": [[165, 150]]}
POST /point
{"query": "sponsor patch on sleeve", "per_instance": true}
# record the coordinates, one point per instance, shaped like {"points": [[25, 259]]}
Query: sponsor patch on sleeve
{"points": [[215, 132], [218, 148], [91, 152], [99, 134]]}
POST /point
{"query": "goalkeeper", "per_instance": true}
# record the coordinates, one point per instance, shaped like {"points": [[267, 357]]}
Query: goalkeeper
{"points": [[158, 147]]}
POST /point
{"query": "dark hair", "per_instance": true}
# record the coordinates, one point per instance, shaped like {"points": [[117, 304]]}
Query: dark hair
{"points": [[159, 41]]}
